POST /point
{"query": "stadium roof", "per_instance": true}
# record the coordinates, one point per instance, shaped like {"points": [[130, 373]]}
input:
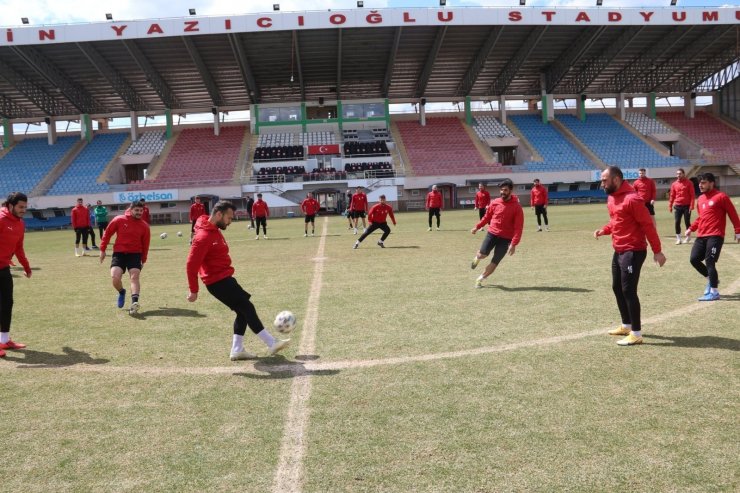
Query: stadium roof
{"points": [[195, 63]]}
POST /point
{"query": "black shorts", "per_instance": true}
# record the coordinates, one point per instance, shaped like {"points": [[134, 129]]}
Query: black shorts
{"points": [[310, 218], [358, 214], [650, 208], [499, 246], [126, 261]]}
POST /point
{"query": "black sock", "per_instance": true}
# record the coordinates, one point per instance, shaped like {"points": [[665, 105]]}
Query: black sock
{"points": [[134, 298]]}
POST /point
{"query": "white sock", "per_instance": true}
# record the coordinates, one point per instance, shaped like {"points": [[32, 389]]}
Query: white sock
{"points": [[237, 343], [4, 337], [480, 277], [714, 290], [627, 326], [678, 237], [266, 337], [637, 333]]}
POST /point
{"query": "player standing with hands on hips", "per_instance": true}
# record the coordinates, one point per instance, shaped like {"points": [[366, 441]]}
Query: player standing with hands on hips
{"points": [[629, 224], [209, 258], [710, 227]]}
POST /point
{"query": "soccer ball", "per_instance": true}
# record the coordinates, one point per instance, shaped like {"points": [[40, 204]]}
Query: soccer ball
{"points": [[284, 322], [179, 233], [163, 235]]}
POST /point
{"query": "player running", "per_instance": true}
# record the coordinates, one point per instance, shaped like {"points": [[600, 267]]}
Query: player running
{"points": [[377, 217]]}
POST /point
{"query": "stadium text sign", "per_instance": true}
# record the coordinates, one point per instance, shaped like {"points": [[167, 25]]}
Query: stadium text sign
{"points": [[148, 195], [629, 174], [281, 21]]}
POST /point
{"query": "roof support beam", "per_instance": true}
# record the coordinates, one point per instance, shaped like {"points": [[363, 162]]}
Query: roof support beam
{"points": [[120, 85], [253, 91], [391, 62], [152, 76], [503, 80], [74, 92], [601, 61], [339, 64], [644, 62], [426, 73], [476, 66], [36, 94], [8, 109], [571, 56], [675, 65], [710, 74], [299, 68], [205, 74]]}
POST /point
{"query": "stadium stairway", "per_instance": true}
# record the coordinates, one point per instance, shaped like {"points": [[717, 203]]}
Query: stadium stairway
{"points": [[485, 151], [401, 147], [153, 169], [45, 185], [523, 141], [578, 144]]}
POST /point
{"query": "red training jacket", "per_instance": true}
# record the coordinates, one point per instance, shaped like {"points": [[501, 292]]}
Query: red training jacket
{"points": [[260, 209], [538, 195], [504, 219], [13, 230], [132, 235], [482, 199], [310, 206], [197, 210], [434, 200], [359, 202], [682, 193], [645, 188], [145, 215], [80, 217], [378, 213], [630, 222], [713, 207], [209, 255]]}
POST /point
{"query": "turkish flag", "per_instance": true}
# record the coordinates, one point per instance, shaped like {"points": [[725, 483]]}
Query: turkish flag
{"points": [[325, 149]]}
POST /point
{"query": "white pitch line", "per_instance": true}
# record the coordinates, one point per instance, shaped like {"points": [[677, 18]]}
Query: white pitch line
{"points": [[289, 473]]}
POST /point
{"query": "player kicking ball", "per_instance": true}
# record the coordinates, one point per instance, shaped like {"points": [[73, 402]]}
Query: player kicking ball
{"points": [[377, 217], [209, 257]]}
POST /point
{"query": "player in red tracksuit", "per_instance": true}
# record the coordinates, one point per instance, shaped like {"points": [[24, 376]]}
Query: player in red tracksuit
{"points": [[130, 251], [358, 208], [505, 219], [81, 226], [310, 207], [196, 210], [538, 202], [482, 199], [145, 216], [260, 213], [209, 257], [377, 217], [11, 243], [681, 202], [645, 188], [713, 206], [434, 205], [629, 224]]}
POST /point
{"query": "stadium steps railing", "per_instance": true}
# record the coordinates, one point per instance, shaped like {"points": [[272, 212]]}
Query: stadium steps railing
{"points": [[660, 148], [523, 141], [156, 165], [570, 137], [5, 150], [242, 162], [109, 169], [43, 187], [485, 151], [403, 155]]}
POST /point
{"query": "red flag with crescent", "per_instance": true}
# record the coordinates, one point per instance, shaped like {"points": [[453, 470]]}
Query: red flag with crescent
{"points": [[324, 149]]}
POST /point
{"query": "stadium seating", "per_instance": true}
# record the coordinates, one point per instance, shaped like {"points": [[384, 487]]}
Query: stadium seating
{"points": [[646, 125], [148, 143], [722, 141], [381, 169], [375, 148], [58, 222], [442, 147], [30, 160], [278, 153], [488, 126], [82, 174], [557, 152], [316, 138], [275, 140], [199, 157], [614, 144]]}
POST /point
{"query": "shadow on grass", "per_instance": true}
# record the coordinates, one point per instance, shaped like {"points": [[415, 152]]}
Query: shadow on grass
{"points": [[279, 367], [704, 342], [407, 246], [730, 297], [40, 359], [169, 312], [548, 289]]}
